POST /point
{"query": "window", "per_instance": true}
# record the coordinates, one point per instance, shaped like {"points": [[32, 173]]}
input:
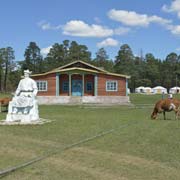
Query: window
{"points": [[111, 86], [89, 86], [42, 85], [65, 86]]}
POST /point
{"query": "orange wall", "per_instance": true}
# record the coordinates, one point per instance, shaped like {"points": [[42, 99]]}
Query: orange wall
{"points": [[101, 91], [51, 80], [102, 78]]}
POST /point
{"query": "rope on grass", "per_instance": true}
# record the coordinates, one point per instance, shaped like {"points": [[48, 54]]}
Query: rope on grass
{"points": [[7, 171]]}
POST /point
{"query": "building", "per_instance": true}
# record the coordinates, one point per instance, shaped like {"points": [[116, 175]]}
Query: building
{"points": [[139, 89], [80, 82], [147, 90], [159, 90], [174, 90]]}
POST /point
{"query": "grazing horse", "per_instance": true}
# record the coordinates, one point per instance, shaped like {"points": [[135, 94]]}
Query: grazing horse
{"points": [[166, 105], [4, 102]]}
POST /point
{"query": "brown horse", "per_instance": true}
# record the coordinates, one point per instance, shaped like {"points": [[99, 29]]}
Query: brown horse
{"points": [[4, 102], [166, 105]]}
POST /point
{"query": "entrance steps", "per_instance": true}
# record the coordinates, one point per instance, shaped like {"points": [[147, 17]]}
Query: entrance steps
{"points": [[75, 100]]}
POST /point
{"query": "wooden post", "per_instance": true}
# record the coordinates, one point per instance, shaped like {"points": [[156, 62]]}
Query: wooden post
{"points": [[126, 87], [83, 84], [95, 85], [57, 84], [69, 84]]}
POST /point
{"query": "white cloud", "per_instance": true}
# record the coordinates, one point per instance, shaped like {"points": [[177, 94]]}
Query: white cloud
{"points": [[175, 29], [174, 7], [159, 20], [97, 20], [107, 42], [45, 51], [80, 28], [122, 30], [165, 8], [178, 49], [131, 18], [47, 26]]}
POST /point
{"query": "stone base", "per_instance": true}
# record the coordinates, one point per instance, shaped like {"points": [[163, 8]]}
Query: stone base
{"points": [[23, 118], [37, 122], [104, 100]]}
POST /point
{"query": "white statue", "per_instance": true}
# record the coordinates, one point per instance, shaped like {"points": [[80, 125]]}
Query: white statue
{"points": [[23, 106]]}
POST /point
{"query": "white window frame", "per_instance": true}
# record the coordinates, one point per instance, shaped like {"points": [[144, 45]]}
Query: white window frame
{"points": [[41, 84], [112, 89]]}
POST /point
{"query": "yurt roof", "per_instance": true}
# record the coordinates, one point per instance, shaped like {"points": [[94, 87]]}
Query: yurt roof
{"points": [[175, 88], [140, 87], [147, 88], [159, 87]]}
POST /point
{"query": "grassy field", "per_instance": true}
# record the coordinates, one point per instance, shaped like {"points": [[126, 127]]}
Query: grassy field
{"points": [[137, 149]]}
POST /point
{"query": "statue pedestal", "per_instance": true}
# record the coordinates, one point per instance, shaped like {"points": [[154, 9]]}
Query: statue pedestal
{"points": [[31, 115], [23, 118]]}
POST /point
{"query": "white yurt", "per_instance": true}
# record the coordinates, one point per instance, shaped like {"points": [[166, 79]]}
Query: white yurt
{"points": [[147, 90], [139, 89], [174, 90], [159, 90]]}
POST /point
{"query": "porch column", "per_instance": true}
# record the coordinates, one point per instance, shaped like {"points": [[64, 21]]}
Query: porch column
{"points": [[82, 84], [126, 87], [69, 84], [57, 84], [95, 85]]}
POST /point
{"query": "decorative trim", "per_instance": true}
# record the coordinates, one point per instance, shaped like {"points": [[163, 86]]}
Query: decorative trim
{"points": [[82, 62], [57, 84], [95, 70]]}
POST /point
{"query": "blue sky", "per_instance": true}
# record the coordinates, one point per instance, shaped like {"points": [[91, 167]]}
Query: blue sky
{"points": [[150, 26]]}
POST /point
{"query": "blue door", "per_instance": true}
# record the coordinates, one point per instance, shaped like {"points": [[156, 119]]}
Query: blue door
{"points": [[76, 87]]}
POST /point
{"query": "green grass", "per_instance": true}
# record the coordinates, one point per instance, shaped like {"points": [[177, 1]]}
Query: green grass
{"points": [[144, 149], [148, 99]]}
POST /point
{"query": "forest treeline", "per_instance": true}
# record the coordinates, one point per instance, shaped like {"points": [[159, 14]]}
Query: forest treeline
{"points": [[144, 70]]}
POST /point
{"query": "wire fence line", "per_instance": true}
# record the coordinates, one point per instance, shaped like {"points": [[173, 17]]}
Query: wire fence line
{"points": [[49, 153]]}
